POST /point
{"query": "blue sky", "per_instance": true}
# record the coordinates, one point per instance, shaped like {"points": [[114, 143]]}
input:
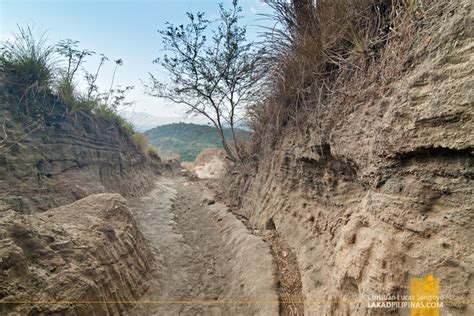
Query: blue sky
{"points": [[118, 29]]}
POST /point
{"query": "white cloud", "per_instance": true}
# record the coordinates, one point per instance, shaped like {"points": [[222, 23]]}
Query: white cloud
{"points": [[4, 37], [257, 6]]}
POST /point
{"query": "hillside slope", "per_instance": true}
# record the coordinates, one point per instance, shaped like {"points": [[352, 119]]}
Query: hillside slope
{"points": [[59, 240], [64, 156], [378, 188], [186, 139]]}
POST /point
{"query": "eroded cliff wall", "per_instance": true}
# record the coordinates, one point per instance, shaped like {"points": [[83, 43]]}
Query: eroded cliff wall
{"points": [[61, 155], [70, 259], [379, 188]]}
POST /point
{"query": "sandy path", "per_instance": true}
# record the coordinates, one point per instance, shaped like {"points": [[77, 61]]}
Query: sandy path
{"points": [[205, 256]]}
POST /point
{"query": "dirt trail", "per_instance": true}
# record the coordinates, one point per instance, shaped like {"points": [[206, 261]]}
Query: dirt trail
{"points": [[206, 256]]}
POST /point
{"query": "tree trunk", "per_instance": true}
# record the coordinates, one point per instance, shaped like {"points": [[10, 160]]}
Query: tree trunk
{"points": [[230, 154]]}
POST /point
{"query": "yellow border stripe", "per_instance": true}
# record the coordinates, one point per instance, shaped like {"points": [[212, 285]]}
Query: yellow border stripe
{"points": [[211, 302]]}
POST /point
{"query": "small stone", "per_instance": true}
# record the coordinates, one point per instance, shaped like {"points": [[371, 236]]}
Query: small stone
{"points": [[284, 254], [209, 201]]}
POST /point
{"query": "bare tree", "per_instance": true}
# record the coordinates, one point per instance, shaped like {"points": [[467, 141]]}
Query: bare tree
{"points": [[212, 68], [74, 57], [91, 79], [118, 62]]}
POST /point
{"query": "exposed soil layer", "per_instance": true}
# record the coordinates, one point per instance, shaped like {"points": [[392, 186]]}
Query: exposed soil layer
{"points": [[62, 155], [377, 187], [71, 259]]}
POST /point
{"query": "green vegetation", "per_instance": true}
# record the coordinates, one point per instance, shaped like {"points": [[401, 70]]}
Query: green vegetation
{"points": [[26, 61], [152, 152], [213, 71], [140, 140], [187, 140], [26, 66], [32, 70]]}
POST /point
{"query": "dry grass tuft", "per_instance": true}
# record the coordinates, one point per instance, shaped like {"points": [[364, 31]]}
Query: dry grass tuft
{"points": [[140, 140], [342, 47]]}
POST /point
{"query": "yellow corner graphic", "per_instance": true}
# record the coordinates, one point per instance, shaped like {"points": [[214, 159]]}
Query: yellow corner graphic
{"points": [[425, 296]]}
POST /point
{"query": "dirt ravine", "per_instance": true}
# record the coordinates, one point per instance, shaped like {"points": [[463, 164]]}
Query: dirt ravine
{"points": [[208, 262]]}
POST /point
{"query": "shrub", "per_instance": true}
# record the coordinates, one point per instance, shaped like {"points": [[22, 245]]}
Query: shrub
{"points": [[127, 126], [27, 66], [152, 152], [65, 91], [140, 140]]}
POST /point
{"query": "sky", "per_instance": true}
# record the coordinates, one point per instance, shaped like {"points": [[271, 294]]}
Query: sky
{"points": [[123, 29]]}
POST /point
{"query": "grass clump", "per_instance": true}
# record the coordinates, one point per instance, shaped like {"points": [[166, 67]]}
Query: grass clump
{"points": [[152, 152], [140, 140], [27, 62], [318, 50], [32, 71], [310, 48], [27, 66]]}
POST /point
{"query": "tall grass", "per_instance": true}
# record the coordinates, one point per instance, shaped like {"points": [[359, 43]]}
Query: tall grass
{"points": [[31, 71], [27, 65], [27, 61], [153, 153], [306, 62]]}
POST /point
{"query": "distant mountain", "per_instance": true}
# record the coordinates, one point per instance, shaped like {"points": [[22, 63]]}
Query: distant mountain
{"points": [[186, 139], [143, 121]]}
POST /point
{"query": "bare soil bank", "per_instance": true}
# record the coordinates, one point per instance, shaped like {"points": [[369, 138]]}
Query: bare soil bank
{"points": [[88, 251], [64, 155], [378, 187]]}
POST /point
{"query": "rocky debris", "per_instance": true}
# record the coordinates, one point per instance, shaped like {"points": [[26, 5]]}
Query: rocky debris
{"points": [[90, 250], [187, 174], [209, 164], [209, 201], [289, 277]]}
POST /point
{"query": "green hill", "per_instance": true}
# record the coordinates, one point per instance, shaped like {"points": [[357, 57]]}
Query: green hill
{"points": [[186, 139]]}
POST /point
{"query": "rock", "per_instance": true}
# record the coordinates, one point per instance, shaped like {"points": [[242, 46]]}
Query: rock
{"points": [[185, 173], [207, 201], [210, 164]]}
